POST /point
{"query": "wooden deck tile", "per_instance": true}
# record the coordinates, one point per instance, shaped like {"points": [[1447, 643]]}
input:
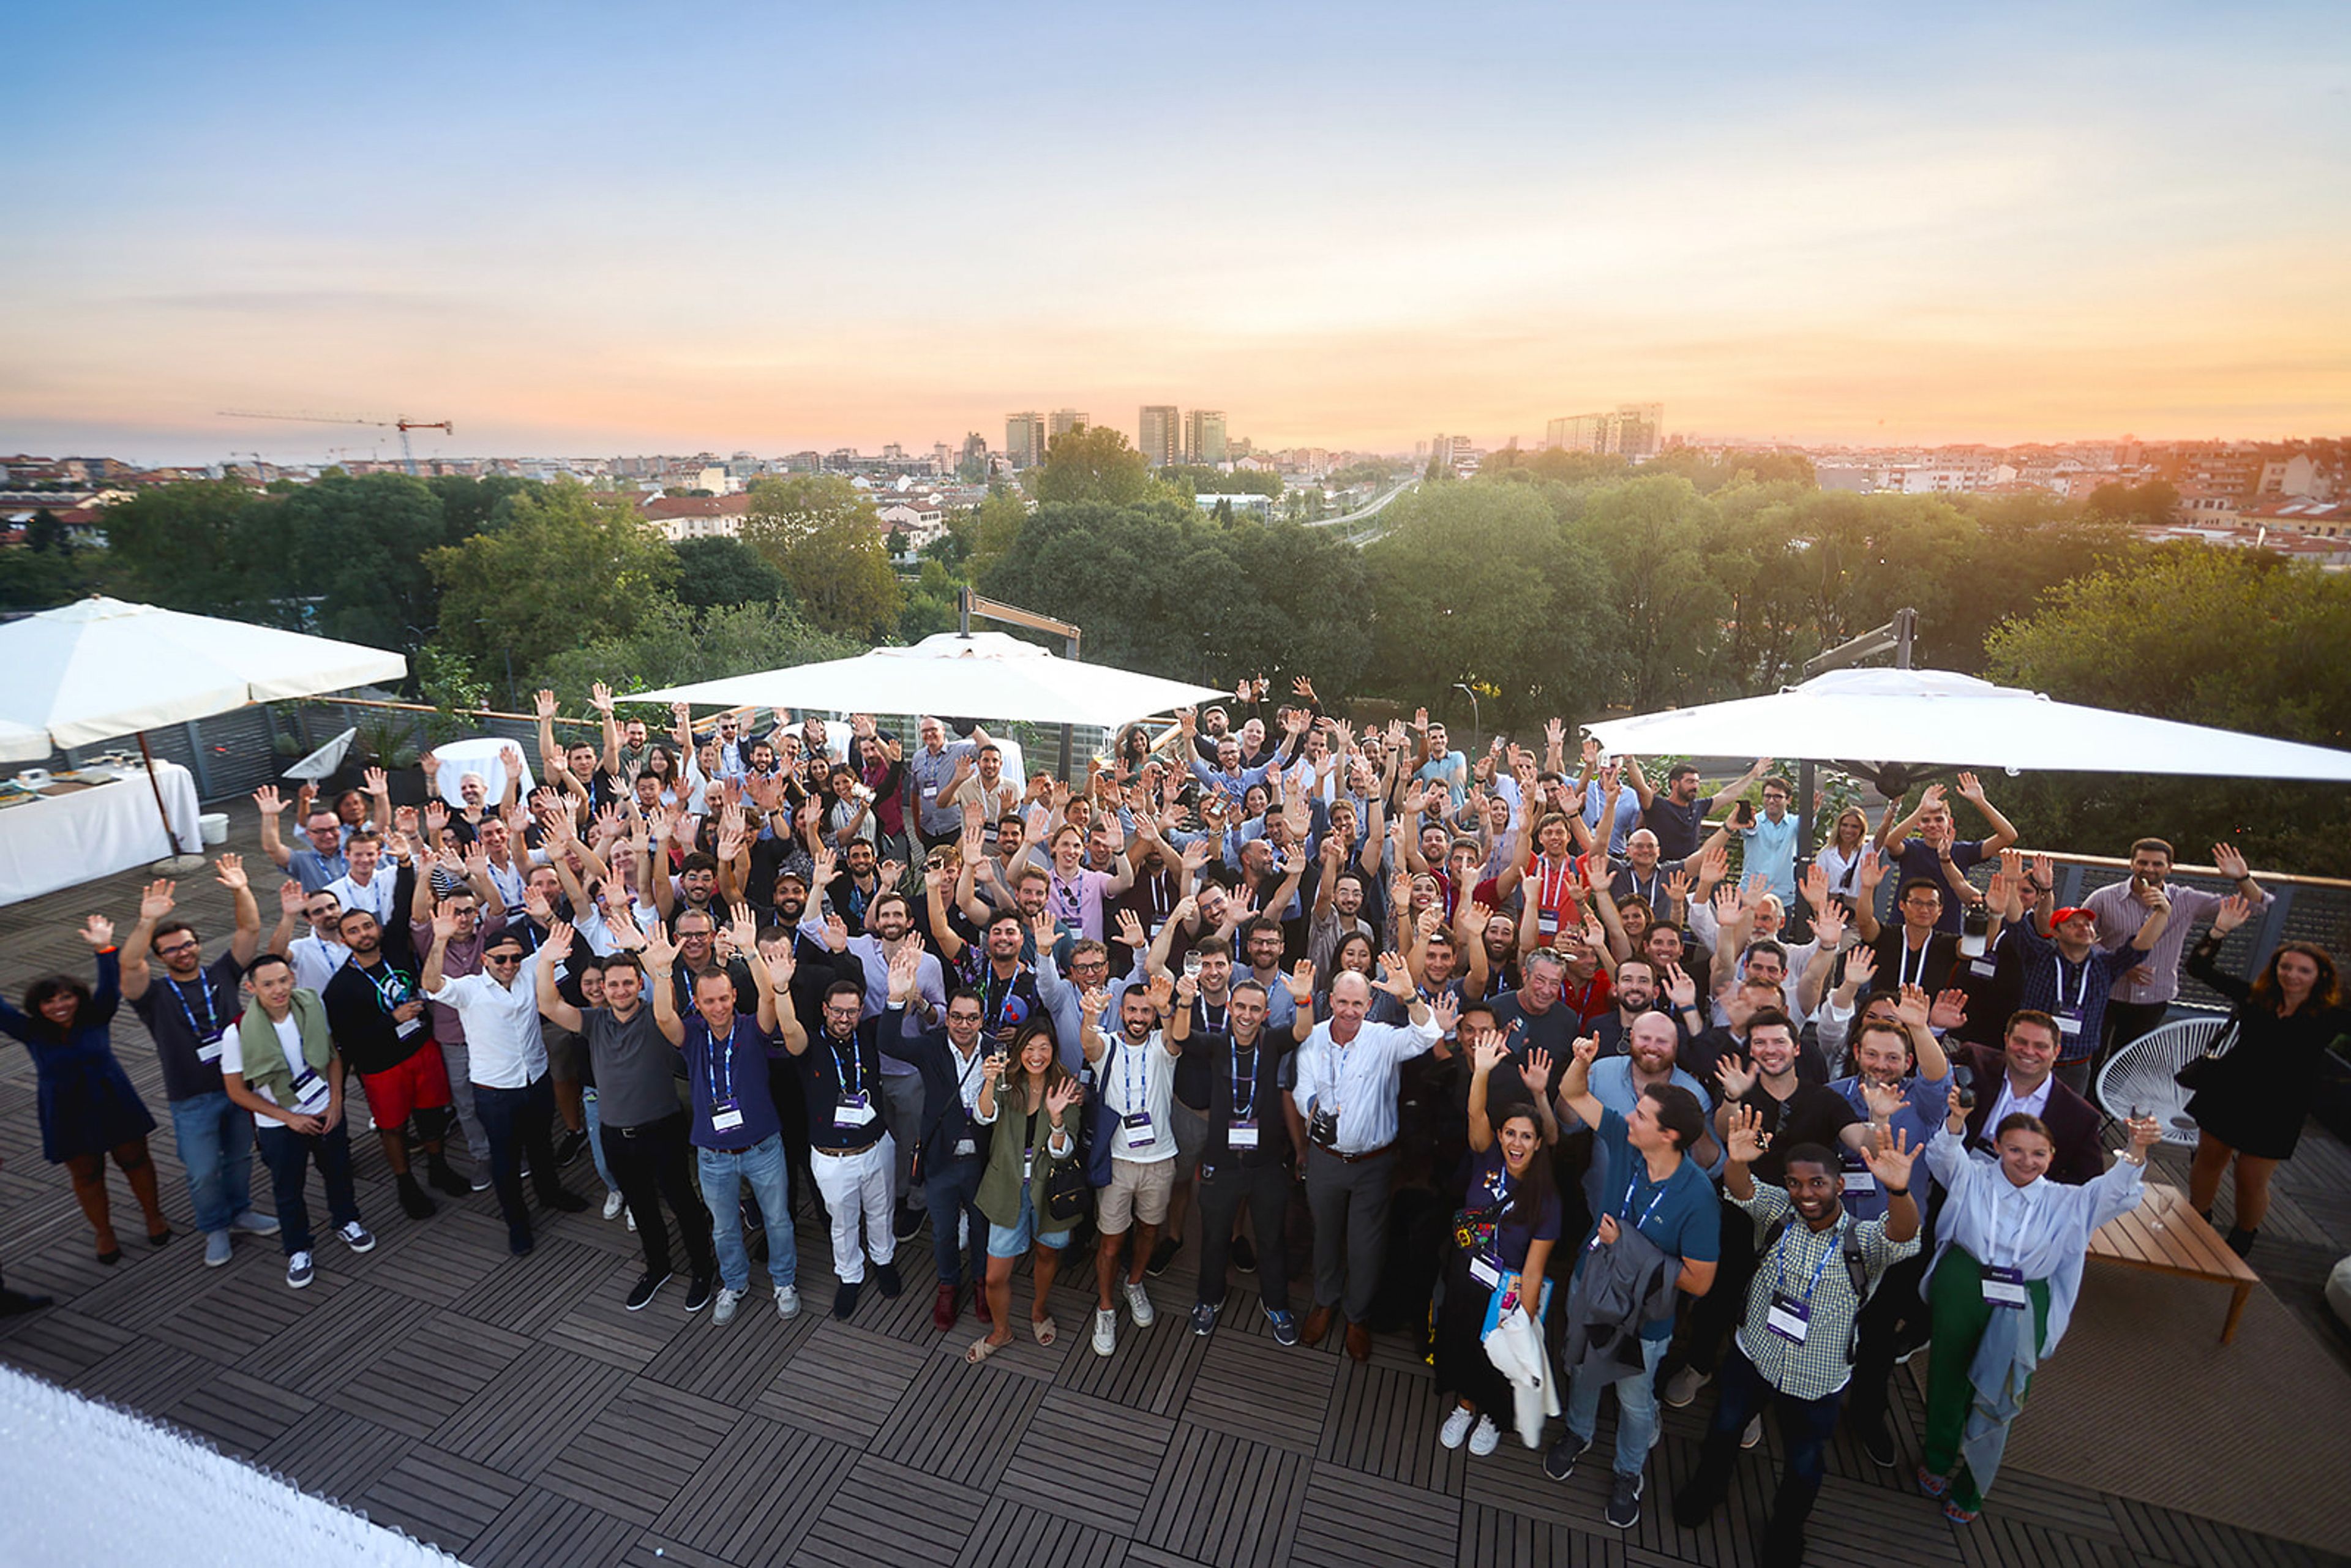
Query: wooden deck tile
{"points": [[886, 1513], [530, 1410], [1012, 1534], [1386, 1423], [1224, 1500], [843, 1382], [541, 1530], [639, 1452], [438, 1496], [957, 1423], [1348, 1518], [415, 1382], [1115, 1449], [756, 1495], [1257, 1389], [238, 1411], [334, 1454]]}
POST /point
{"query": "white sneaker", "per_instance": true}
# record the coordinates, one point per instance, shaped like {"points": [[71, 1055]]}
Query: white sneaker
{"points": [[1486, 1438], [1754, 1432], [633, 1219], [723, 1312], [356, 1236], [1105, 1330], [612, 1207], [1683, 1387], [1456, 1426], [1138, 1304], [298, 1270], [788, 1301]]}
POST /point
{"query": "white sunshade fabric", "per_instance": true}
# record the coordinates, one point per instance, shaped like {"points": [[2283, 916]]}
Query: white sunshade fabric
{"points": [[99, 668], [1937, 717], [22, 743], [987, 675]]}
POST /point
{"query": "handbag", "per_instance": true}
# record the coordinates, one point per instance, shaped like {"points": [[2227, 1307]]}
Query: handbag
{"points": [[2195, 1072], [1066, 1193]]}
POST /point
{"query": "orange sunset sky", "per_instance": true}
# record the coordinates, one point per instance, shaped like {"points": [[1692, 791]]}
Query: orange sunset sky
{"points": [[585, 230]]}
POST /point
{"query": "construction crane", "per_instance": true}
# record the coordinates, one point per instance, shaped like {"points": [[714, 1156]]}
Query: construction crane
{"points": [[403, 425]]}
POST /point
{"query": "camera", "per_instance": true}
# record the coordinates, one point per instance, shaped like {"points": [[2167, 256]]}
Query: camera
{"points": [[1323, 1128], [1965, 1078]]}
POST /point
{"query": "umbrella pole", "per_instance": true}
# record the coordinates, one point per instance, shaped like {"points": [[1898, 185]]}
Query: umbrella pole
{"points": [[179, 856]]}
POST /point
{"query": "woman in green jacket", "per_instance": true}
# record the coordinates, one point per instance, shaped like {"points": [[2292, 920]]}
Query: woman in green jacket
{"points": [[1029, 1141]]}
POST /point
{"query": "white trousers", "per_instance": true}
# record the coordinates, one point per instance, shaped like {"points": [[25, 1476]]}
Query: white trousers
{"points": [[857, 1188]]}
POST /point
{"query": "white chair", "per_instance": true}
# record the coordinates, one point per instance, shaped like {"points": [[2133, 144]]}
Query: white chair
{"points": [[2140, 1074]]}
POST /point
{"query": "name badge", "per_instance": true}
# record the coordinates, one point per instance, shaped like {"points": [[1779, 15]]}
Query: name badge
{"points": [[1860, 1181], [852, 1111], [930, 791], [1028, 1164], [2069, 1023], [209, 1051], [726, 1115], [1138, 1127], [1788, 1318], [1987, 968], [2004, 1287], [1547, 921], [1241, 1136], [413, 1026], [1485, 1271]]}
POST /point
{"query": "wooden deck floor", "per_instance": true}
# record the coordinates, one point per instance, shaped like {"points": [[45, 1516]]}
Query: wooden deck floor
{"points": [[510, 1411]]}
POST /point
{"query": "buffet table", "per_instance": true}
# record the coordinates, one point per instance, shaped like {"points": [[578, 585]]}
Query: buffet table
{"points": [[76, 836]]}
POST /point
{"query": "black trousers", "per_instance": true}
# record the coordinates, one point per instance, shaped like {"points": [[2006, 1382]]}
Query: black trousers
{"points": [[1266, 1189], [1706, 1327], [518, 1121], [1893, 1320], [653, 1161]]}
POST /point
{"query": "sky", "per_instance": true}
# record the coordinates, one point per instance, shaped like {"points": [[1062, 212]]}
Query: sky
{"points": [[585, 230]]}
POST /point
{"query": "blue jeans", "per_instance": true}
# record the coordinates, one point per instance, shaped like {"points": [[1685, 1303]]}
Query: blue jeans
{"points": [[1805, 1427], [1637, 1407], [723, 1173], [216, 1139], [289, 1154], [952, 1190], [595, 1142]]}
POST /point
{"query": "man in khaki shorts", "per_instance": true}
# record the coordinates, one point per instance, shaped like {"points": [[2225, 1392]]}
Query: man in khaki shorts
{"points": [[1135, 1073]]}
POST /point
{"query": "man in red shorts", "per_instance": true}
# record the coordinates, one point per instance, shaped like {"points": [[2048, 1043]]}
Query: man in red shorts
{"points": [[376, 1012]]}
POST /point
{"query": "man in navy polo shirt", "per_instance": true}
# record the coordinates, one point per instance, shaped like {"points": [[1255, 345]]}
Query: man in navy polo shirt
{"points": [[736, 1135]]}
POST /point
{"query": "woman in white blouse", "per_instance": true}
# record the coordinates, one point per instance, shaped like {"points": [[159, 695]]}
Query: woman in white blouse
{"points": [[2009, 1250]]}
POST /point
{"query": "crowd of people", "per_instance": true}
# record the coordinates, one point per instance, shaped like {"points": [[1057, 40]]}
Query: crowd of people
{"points": [[1497, 1048]]}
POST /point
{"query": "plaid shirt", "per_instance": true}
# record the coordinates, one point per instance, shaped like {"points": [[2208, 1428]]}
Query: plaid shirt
{"points": [[2054, 983], [1818, 1367]]}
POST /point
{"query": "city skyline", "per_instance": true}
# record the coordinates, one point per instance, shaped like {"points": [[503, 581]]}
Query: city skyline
{"points": [[1764, 227]]}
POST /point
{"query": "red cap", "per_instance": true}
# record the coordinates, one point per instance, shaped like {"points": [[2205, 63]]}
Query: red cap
{"points": [[2068, 913]]}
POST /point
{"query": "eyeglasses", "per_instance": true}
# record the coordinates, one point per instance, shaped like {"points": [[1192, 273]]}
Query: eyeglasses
{"points": [[175, 949]]}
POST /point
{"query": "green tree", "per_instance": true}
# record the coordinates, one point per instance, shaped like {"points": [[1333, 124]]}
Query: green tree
{"points": [[2149, 505], [43, 580], [469, 506], [171, 546], [566, 563], [44, 533], [826, 539], [669, 644], [352, 553], [1093, 465], [1653, 532], [2239, 640], [716, 571]]}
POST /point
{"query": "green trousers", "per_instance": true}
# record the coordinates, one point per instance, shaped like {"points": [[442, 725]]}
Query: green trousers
{"points": [[1960, 1314]]}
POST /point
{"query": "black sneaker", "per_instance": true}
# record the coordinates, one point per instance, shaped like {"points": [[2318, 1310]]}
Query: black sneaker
{"points": [[563, 1200], [906, 1223], [648, 1286], [1244, 1254], [885, 1275], [1877, 1440], [697, 1292], [1163, 1254], [1558, 1459], [570, 1147], [845, 1300], [1624, 1509]]}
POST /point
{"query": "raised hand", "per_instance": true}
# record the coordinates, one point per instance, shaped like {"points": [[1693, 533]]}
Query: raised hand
{"points": [[1446, 1011], [836, 934], [1951, 1010], [1871, 870], [1971, 788], [431, 763], [602, 695], [1130, 930], [1744, 1139], [1828, 927], [1734, 1076], [1881, 1102], [2231, 862], [1891, 1163], [98, 931], [2145, 1133], [1587, 1049], [1398, 980], [444, 923], [2235, 911], [157, 902], [1535, 1073], [291, 899], [1060, 1097], [269, 801], [661, 954], [374, 781], [547, 706], [560, 937], [1487, 1053], [1913, 1007], [1861, 968], [1680, 989], [1300, 983]]}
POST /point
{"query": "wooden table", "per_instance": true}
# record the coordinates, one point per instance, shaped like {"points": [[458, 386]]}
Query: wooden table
{"points": [[2163, 1233]]}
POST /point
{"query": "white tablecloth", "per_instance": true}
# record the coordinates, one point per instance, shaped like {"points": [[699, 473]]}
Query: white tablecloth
{"points": [[56, 842]]}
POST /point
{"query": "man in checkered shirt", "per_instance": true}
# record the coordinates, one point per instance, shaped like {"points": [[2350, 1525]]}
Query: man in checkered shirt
{"points": [[1794, 1350]]}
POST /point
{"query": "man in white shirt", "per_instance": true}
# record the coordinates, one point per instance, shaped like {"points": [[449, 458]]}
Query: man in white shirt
{"points": [[318, 952], [507, 1058], [370, 884], [1135, 1073], [1347, 1081]]}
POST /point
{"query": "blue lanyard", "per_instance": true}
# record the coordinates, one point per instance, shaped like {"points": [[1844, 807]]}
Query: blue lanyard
{"points": [[854, 1076], [719, 1050], [211, 1029], [1818, 1269], [1625, 1209], [1127, 1074]]}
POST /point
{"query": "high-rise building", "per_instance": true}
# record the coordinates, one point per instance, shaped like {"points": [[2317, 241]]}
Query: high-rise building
{"points": [[1634, 430], [1204, 435], [1024, 439], [1159, 434], [1064, 421]]}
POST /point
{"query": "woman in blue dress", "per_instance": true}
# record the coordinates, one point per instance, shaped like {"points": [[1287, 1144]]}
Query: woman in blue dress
{"points": [[89, 1109]]}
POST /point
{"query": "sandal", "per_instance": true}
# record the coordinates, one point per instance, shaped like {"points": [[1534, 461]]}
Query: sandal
{"points": [[981, 1349], [157, 1238], [1957, 1515], [1932, 1485], [1044, 1329]]}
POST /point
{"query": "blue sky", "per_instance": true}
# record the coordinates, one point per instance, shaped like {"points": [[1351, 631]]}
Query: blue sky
{"points": [[581, 229]]}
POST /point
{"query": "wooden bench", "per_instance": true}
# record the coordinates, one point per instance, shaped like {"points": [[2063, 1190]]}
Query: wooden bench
{"points": [[2163, 1233]]}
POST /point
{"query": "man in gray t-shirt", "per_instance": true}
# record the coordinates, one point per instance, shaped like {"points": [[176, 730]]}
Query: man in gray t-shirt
{"points": [[643, 1128]]}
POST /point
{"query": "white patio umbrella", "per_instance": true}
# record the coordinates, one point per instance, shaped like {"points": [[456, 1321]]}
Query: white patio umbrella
{"points": [[22, 743], [1887, 724], [97, 668], [987, 675]]}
